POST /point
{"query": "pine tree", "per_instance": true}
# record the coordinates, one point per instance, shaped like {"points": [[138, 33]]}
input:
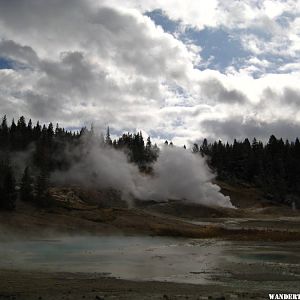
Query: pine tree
{"points": [[42, 196], [195, 148], [26, 191], [4, 127], [4, 134], [150, 154], [148, 144], [204, 148], [108, 140], [29, 125], [50, 131], [37, 131], [8, 195]]}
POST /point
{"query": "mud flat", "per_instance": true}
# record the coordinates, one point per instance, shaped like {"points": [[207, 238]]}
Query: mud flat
{"points": [[158, 251], [32, 222], [139, 267], [34, 285]]}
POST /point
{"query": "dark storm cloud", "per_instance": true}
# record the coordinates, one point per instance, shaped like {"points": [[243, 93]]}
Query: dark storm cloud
{"points": [[72, 74], [41, 106], [9, 107], [27, 15], [291, 96], [239, 129], [14, 51], [287, 97], [216, 92]]}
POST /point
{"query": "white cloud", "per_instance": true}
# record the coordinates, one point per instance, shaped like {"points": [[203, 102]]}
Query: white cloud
{"points": [[190, 13], [259, 62], [83, 62]]}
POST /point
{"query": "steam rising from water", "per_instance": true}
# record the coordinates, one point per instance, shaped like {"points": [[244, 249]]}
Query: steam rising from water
{"points": [[178, 175]]}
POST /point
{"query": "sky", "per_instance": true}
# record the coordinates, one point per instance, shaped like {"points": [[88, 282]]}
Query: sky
{"points": [[177, 70]]}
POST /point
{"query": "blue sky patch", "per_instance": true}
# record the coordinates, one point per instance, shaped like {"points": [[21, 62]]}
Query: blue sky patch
{"points": [[6, 63], [219, 48], [159, 18]]}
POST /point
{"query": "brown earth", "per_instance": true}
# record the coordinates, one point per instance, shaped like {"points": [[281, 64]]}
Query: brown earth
{"points": [[69, 286], [76, 211]]}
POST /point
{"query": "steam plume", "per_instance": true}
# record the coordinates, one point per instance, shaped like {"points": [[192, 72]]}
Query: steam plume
{"points": [[181, 174], [178, 175]]}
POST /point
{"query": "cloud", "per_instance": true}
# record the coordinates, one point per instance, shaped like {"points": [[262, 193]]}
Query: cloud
{"points": [[16, 52], [78, 62], [121, 59], [215, 91], [286, 97], [240, 128]]}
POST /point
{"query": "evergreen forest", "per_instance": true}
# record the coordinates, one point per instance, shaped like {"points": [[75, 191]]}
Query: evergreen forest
{"points": [[274, 167]]}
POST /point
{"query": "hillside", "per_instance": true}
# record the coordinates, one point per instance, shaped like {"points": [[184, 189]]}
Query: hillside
{"points": [[78, 211]]}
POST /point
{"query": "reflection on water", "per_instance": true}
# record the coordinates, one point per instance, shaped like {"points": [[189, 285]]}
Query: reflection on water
{"points": [[154, 258], [139, 258]]}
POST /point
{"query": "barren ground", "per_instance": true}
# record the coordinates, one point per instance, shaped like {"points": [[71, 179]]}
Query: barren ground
{"points": [[76, 213]]}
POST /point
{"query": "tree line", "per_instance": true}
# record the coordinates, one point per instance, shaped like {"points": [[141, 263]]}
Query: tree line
{"points": [[47, 150], [274, 166]]}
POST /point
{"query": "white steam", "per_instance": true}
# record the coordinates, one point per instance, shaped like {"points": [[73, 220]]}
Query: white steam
{"points": [[178, 175]]}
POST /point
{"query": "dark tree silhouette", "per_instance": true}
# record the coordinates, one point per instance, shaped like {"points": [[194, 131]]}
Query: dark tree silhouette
{"points": [[108, 140], [26, 189], [8, 195], [273, 167], [42, 196]]}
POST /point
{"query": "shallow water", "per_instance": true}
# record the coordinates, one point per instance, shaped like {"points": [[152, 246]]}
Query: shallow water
{"points": [[155, 258]]}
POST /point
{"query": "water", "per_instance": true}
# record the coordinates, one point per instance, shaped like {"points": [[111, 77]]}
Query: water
{"points": [[155, 258]]}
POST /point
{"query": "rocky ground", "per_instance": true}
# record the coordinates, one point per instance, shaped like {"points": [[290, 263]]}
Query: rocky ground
{"points": [[52, 286]]}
